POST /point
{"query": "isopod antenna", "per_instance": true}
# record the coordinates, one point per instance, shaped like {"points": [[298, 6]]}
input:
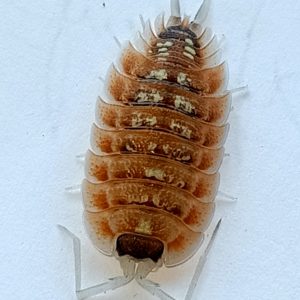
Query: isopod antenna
{"points": [[202, 13], [175, 8]]}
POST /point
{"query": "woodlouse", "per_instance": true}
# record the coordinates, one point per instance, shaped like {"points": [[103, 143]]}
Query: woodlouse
{"points": [[152, 175]]}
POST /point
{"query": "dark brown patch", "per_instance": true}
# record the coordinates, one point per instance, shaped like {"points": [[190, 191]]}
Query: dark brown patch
{"points": [[178, 33], [140, 246]]}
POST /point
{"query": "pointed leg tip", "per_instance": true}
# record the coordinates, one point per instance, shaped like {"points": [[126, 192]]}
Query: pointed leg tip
{"points": [[60, 227], [219, 223]]}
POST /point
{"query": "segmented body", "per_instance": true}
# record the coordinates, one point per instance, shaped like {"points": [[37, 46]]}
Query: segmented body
{"points": [[157, 144]]}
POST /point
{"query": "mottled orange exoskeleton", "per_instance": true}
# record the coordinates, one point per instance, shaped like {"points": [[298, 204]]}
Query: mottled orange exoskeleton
{"points": [[156, 147]]}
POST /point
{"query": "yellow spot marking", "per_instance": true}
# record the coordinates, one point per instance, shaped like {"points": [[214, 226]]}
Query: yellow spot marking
{"points": [[183, 130], [137, 120], [154, 96], [166, 44], [181, 103], [190, 56], [159, 74], [144, 198], [166, 148], [163, 54], [186, 157], [189, 42], [190, 50], [183, 79], [152, 146], [130, 148], [151, 121], [163, 49], [157, 173], [144, 227], [156, 200]]}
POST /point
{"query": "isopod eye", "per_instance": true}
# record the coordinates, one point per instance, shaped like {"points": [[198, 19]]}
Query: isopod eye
{"points": [[140, 246]]}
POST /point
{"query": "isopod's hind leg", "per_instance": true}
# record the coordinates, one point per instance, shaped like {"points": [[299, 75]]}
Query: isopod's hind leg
{"points": [[111, 284], [201, 262]]}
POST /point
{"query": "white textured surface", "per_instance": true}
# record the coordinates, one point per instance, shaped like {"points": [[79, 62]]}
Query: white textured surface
{"points": [[52, 53]]}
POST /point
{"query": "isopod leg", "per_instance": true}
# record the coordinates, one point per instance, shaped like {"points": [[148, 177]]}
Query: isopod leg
{"points": [[74, 189], [221, 41], [112, 284], [101, 79], [226, 197], [241, 89], [80, 157], [119, 44], [201, 263]]}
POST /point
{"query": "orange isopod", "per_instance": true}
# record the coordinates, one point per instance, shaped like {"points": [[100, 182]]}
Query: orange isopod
{"points": [[156, 148]]}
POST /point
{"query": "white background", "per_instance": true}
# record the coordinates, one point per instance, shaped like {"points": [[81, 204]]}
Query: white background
{"points": [[52, 53]]}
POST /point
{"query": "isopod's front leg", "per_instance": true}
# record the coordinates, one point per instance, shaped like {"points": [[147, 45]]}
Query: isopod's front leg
{"points": [[111, 284]]}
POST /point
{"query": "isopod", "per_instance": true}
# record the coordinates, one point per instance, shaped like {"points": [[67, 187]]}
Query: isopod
{"points": [[156, 148]]}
